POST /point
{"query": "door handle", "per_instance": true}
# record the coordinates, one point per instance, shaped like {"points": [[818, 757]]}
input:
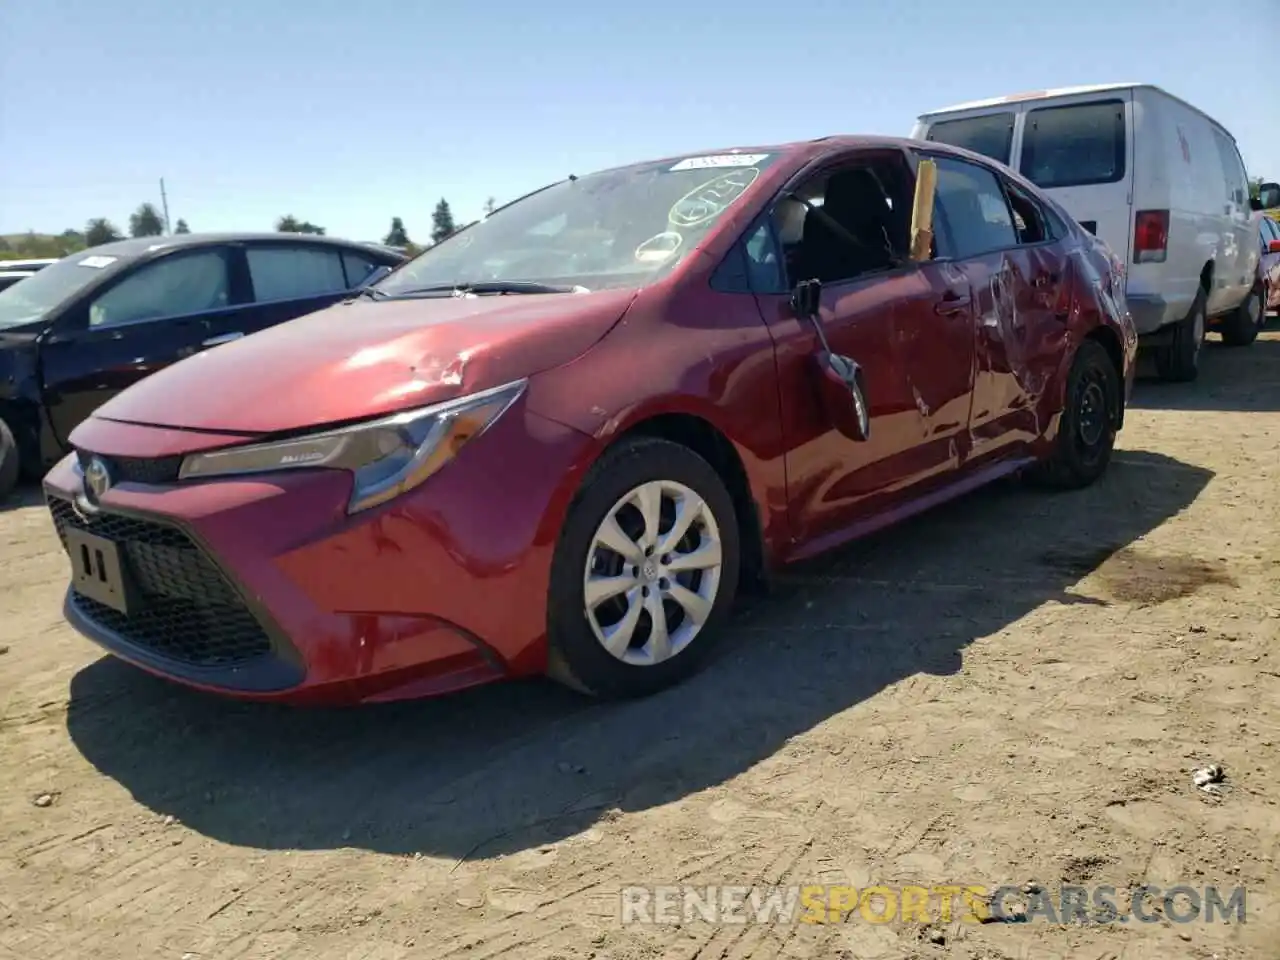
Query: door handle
{"points": [[951, 303], [223, 338]]}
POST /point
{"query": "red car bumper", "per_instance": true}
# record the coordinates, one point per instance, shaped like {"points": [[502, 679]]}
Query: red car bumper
{"points": [[264, 588]]}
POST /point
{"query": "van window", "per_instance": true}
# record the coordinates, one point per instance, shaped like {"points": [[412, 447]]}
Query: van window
{"points": [[990, 135], [1074, 146], [1237, 183]]}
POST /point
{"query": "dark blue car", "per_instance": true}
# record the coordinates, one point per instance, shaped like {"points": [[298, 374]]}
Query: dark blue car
{"points": [[81, 330]]}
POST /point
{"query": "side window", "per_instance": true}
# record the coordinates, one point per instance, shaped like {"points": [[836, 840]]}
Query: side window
{"points": [[1236, 182], [764, 261], [976, 217], [170, 287], [1075, 145], [848, 223], [1028, 216], [291, 273], [357, 267]]}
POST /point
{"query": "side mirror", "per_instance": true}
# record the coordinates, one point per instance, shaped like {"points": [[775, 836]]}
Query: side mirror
{"points": [[839, 380], [922, 211], [1268, 196], [376, 274], [806, 297], [843, 395]]}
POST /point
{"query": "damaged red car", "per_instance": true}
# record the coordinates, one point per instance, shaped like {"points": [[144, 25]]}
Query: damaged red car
{"points": [[562, 440]]}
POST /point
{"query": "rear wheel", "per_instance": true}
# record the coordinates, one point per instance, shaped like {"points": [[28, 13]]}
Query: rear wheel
{"points": [[644, 573], [10, 461], [1241, 327], [1090, 420], [1179, 361]]}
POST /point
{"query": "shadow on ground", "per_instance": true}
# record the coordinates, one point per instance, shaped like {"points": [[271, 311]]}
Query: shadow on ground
{"points": [[1231, 378], [512, 766], [26, 494]]}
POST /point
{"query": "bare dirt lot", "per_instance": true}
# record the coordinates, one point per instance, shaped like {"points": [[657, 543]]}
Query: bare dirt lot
{"points": [[1012, 688]]}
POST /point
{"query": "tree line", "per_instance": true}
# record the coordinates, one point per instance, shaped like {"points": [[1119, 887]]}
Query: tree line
{"points": [[147, 221]]}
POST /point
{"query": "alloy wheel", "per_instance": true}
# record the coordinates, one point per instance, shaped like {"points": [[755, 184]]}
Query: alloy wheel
{"points": [[652, 573]]}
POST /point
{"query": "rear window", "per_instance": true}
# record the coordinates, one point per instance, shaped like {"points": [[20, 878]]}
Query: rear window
{"points": [[1074, 146], [990, 135]]}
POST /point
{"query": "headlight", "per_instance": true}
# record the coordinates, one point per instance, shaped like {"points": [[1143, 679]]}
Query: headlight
{"points": [[386, 456]]}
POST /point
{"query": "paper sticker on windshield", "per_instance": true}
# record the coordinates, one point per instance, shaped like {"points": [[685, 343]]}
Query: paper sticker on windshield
{"points": [[720, 160], [97, 262], [711, 199], [659, 248]]}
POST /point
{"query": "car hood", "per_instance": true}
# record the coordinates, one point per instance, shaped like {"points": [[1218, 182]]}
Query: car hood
{"points": [[365, 358]]}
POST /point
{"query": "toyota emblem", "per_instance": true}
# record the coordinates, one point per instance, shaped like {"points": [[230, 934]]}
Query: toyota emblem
{"points": [[97, 480]]}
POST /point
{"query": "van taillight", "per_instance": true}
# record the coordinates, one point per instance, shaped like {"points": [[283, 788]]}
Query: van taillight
{"points": [[1150, 236]]}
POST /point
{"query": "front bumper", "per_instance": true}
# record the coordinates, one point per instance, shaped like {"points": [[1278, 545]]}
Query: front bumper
{"points": [[264, 588]]}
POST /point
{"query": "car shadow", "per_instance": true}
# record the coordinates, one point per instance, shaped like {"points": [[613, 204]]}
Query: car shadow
{"points": [[516, 765], [25, 494], [1245, 379]]}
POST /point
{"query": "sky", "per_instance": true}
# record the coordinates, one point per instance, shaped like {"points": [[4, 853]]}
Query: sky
{"points": [[347, 116]]}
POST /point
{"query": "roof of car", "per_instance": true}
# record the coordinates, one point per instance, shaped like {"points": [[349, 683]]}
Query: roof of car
{"points": [[989, 102], [794, 148], [138, 246]]}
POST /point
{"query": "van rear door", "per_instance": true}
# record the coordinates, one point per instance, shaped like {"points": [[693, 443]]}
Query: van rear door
{"points": [[990, 134], [1081, 153]]}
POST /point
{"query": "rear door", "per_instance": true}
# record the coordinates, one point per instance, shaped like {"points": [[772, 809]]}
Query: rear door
{"points": [[990, 134], [288, 280], [159, 312], [1081, 153], [1014, 289]]}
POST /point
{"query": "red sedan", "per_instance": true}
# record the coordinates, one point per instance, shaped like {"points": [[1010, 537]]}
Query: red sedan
{"points": [[1269, 264], [560, 441]]}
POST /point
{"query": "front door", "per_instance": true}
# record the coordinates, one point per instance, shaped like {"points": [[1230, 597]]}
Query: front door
{"points": [[908, 327], [155, 315], [1237, 267]]}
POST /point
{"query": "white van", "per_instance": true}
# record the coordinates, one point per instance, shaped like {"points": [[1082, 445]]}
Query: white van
{"points": [[1158, 180]]}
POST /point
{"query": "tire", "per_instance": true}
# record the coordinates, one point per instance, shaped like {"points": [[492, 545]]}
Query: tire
{"points": [[1179, 362], [577, 655], [10, 461], [1090, 418], [1242, 326]]}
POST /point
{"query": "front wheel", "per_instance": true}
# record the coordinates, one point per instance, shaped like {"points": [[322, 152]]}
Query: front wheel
{"points": [[644, 573], [1243, 324], [1090, 421]]}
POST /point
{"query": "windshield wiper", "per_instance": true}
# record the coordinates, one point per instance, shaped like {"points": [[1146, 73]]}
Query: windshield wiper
{"points": [[487, 286], [373, 293]]}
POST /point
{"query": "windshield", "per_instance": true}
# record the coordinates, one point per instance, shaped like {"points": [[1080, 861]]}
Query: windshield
{"points": [[618, 228], [39, 293]]}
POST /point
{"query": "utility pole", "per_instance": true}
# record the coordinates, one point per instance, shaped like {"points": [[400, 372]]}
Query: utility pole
{"points": [[164, 201]]}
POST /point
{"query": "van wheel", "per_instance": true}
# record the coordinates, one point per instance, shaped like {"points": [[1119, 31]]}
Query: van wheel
{"points": [[644, 573], [10, 461], [1179, 362], [1241, 327], [1090, 421]]}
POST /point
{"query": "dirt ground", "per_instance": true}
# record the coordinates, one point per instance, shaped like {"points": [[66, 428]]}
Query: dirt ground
{"points": [[1012, 688]]}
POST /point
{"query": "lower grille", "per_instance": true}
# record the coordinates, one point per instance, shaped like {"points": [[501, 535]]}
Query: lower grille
{"points": [[186, 610]]}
